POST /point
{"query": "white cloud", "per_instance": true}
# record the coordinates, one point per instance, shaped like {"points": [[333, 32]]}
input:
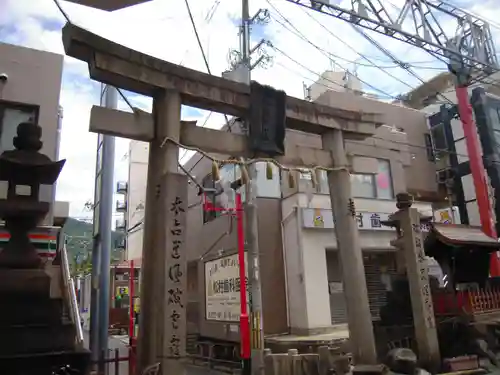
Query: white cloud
{"points": [[162, 28]]}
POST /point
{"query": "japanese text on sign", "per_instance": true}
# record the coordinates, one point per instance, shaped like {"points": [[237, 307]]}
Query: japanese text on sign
{"points": [[222, 288], [422, 267], [174, 285], [322, 218]]}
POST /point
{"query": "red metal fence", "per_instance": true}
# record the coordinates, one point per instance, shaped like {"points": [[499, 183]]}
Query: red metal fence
{"points": [[115, 362]]}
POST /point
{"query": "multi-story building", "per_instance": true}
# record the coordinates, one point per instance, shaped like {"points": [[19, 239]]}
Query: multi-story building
{"points": [[300, 269], [30, 85], [448, 139], [136, 197]]}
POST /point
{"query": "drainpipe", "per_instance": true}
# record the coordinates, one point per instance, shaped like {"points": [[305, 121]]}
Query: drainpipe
{"points": [[283, 248]]}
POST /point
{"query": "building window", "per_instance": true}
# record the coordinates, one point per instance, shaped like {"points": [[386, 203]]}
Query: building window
{"points": [[373, 185], [11, 115]]}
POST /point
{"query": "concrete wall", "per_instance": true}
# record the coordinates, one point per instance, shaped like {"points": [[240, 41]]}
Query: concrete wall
{"points": [[388, 145], [34, 78], [419, 174]]}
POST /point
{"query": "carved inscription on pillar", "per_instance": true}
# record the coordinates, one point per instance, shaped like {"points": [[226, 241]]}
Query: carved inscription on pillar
{"points": [[422, 269], [176, 269]]}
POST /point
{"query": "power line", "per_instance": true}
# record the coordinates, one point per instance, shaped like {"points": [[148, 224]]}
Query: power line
{"points": [[68, 20], [299, 34], [327, 54], [195, 29], [318, 74], [383, 69], [193, 24]]}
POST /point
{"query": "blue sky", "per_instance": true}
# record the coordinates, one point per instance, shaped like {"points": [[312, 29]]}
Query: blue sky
{"points": [[161, 28]]}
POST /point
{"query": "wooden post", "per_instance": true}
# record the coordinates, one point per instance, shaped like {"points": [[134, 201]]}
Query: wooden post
{"points": [[411, 244], [164, 259], [361, 335]]}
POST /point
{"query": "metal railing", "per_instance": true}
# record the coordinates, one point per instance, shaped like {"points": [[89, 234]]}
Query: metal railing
{"points": [[70, 291]]}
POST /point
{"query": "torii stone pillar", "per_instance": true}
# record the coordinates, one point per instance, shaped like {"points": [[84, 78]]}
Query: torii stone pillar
{"points": [[408, 224], [162, 334]]}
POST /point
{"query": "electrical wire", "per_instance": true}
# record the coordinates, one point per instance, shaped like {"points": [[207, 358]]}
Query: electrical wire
{"points": [[299, 34], [318, 74], [68, 20], [327, 54], [382, 69], [195, 29], [65, 15], [308, 170]]}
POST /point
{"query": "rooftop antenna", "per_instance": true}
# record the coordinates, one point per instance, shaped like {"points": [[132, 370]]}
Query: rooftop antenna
{"points": [[355, 69], [307, 91]]}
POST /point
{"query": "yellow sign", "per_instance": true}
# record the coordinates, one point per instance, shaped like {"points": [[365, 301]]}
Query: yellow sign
{"points": [[122, 291], [318, 220], [444, 217]]}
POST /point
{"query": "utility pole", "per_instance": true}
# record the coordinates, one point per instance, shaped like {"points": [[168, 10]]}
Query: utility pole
{"points": [[241, 72], [101, 251], [252, 227]]}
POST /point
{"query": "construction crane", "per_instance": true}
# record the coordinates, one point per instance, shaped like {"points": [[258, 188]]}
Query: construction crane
{"points": [[469, 52]]}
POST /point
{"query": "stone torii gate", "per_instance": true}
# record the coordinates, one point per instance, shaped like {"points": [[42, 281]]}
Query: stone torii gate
{"points": [[163, 298]]}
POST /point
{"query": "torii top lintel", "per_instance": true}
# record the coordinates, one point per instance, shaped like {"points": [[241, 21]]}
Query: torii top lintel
{"points": [[122, 67]]}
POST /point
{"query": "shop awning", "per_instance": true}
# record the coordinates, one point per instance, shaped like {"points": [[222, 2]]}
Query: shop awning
{"points": [[461, 235]]}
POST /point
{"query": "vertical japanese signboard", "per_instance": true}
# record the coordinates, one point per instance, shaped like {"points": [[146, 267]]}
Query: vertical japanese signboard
{"points": [[222, 288], [422, 269], [418, 277], [174, 346], [423, 272]]}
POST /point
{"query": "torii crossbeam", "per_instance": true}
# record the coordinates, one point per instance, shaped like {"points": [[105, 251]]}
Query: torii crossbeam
{"points": [[163, 297]]}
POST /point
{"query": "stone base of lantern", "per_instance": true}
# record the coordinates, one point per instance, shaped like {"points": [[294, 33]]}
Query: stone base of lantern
{"points": [[24, 281], [15, 260], [20, 217], [37, 337]]}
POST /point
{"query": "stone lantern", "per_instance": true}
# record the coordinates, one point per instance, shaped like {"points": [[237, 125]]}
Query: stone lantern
{"points": [[25, 169]]}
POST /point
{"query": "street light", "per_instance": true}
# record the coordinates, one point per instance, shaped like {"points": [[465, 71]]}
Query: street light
{"points": [[228, 189]]}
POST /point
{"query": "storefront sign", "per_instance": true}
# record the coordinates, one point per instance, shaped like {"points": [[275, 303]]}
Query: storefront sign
{"points": [[122, 291], [322, 218], [222, 288]]}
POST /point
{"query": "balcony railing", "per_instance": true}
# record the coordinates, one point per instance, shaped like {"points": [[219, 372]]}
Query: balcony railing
{"points": [[121, 206], [121, 187], [120, 224], [121, 243]]}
